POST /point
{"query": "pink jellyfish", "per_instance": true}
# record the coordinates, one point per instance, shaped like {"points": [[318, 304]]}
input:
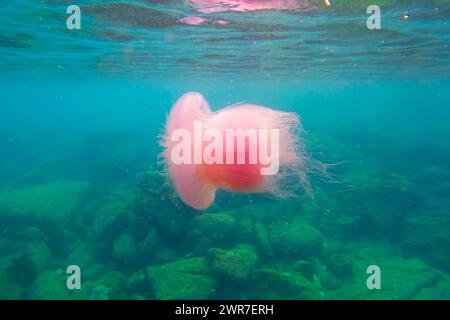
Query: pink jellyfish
{"points": [[240, 148]]}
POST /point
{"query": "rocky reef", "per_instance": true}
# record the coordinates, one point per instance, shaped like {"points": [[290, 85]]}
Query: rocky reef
{"points": [[139, 241]]}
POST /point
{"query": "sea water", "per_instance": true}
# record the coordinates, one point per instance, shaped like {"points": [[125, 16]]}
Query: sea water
{"points": [[82, 183]]}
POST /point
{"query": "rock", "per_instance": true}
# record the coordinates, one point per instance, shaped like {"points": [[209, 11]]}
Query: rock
{"points": [[295, 240], [234, 264], [400, 278], [244, 230], [115, 281], [439, 291], [30, 234], [211, 230], [27, 262], [8, 290], [262, 240], [329, 281], [159, 203], [49, 285], [340, 265], [82, 255], [125, 251], [183, 279], [52, 201], [344, 226], [100, 293], [213, 225], [305, 268], [40, 255], [428, 237], [138, 282], [112, 212], [94, 272], [149, 247], [280, 284], [165, 255]]}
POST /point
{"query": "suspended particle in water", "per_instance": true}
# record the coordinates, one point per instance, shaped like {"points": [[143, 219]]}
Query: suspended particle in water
{"points": [[405, 16], [327, 3]]}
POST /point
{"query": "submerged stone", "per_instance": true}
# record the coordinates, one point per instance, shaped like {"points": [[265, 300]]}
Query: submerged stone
{"points": [[184, 279], [340, 264], [51, 201], [49, 285], [138, 282], [294, 241], [279, 284], [125, 251], [234, 264], [212, 230]]}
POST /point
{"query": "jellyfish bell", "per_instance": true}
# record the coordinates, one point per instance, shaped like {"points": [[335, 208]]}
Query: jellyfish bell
{"points": [[240, 148]]}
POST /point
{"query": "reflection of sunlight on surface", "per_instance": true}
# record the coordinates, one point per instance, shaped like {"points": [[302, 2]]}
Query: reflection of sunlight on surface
{"points": [[149, 37]]}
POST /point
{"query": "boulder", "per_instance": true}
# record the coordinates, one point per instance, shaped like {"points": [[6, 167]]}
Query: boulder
{"points": [[295, 240], [234, 264], [183, 279], [271, 283], [51, 201]]}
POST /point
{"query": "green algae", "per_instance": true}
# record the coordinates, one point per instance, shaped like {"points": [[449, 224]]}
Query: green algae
{"points": [[184, 279], [53, 201], [235, 264]]}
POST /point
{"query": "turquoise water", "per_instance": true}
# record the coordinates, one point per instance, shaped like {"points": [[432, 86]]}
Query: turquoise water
{"points": [[81, 182]]}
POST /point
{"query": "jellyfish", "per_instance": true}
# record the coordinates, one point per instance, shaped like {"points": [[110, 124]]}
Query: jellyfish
{"points": [[240, 148]]}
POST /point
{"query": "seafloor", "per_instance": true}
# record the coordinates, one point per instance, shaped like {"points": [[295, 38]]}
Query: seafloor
{"points": [[134, 239]]}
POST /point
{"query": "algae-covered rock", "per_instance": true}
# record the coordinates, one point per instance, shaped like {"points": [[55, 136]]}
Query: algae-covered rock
{"points": [[212, 230], [213, 225], [112, 213], [150, 245], [159, 203], [340, 264], [54, 201], [329, 281], [138, 282], [81, 255], [439, 291], [305, 268], [429, 238], [27, 262], [100, 293], [262, 240], [115, 281], [9, 290], [279, 284], [295, 240], [184, 279], [94, 272], [125, 250], [234, 264], [50, 285], [400, 279]]}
